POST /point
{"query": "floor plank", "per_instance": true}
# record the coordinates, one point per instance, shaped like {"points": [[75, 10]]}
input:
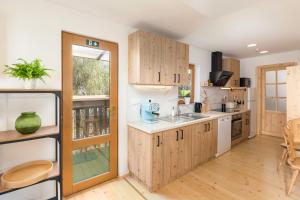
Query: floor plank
{"points": [[248, 171]]}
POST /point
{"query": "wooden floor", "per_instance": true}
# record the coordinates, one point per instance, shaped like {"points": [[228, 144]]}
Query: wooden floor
{"points": [[248, 171]]}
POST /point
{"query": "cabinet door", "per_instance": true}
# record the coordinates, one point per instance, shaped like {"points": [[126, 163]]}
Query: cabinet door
{"points": [[157, 162], [236, 72], [233, 65], [182, 67], [185, 150], [197, 130], [246, 125], [150, 58], [170, 151], [169, 61]]}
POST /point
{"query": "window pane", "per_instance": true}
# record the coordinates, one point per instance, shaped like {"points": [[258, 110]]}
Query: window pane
{"points": [[91, 85], [270, 76], [270, 90], [270, 104], [282, 105], [281, 76], [90, 161], [281, 90]]}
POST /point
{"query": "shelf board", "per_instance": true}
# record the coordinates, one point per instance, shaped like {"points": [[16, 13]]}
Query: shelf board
{"points": [[52, 174], [14, 90], [13, 136], [226, 88]]}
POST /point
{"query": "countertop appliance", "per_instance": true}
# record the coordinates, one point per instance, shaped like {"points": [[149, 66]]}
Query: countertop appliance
{"points": [[245, 82], [224, 135], [231, 105], [236, 126], [198, 107], [149, 112], [217, 76]]}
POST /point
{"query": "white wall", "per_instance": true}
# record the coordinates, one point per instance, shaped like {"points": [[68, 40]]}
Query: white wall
{"points": [[31, 29], [248, 65]]}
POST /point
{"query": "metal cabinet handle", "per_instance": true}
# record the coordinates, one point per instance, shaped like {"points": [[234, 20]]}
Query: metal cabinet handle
{"points": [[178, 78], [177, 135], [181, 134], [174, 78], [158, 141], [158, 76]]}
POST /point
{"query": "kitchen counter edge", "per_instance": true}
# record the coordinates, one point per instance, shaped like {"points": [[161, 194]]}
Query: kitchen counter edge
{"points": [[164, 126]]}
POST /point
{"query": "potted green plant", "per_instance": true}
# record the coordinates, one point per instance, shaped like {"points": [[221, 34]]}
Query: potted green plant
{"points": [[29, 72], [187, 99]]}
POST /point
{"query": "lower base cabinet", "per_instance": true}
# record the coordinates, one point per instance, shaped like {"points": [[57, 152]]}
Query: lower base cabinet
{"points": [[159, 158]]}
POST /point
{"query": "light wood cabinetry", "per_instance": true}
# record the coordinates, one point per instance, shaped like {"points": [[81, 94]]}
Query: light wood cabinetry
{"points": [[246, 125], [233, 65], [204, 142], [145, 51], [156, 60], [159, 158]]}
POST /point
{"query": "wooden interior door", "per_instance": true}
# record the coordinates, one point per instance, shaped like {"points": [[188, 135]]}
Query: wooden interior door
{"points": [[90, 117], [272, 103]]}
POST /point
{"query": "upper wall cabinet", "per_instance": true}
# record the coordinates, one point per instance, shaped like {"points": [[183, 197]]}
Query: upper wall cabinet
{"points": [[157, 60], [233, 65]]}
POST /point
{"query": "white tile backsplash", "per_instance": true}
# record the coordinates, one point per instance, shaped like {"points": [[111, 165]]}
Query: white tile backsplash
{"points": [[214, 95], [167, 97]]}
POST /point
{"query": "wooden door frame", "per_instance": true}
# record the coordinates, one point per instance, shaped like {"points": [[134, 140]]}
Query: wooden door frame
{"points": [[68, 39], [260, 90]]}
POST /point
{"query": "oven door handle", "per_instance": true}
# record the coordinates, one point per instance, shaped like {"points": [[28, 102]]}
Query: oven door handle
{"points": [[236, 120]]}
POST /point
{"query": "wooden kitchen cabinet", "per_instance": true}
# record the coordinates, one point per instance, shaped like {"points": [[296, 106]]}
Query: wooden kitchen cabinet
{"points": [[159, 158], [182, 64], [157, 60], [171, 154], [233, 65], [246, 125], [204, 142], [145, 51]]}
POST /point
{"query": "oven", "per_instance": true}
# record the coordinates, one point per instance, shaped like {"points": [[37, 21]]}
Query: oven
{"points": [[236, 126]]}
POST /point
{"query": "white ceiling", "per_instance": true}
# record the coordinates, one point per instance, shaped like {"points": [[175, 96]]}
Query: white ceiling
{"points": [[224, 25]]}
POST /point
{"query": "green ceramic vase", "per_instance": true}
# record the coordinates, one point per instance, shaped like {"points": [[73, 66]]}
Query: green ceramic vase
{"points": [[28, 122]]}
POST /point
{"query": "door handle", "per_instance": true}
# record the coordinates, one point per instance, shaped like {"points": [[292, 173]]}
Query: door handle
{"points": [[158, 141], [177, 135], [178, 78], [174, 78], [181, 134], [205, 127], [158, 76]]}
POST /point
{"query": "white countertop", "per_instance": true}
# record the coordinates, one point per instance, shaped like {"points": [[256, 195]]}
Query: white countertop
{"points": [[163, 126]]}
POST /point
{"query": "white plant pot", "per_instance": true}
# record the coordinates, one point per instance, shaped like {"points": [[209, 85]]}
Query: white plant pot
{"points": [[187, 100], [30, 84]]}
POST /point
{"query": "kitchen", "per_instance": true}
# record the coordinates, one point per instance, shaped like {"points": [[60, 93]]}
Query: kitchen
{"points": [[197, 101], [200, 134]]}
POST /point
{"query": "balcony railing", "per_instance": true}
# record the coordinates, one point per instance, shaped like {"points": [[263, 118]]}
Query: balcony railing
{"points": [[90, 116]]}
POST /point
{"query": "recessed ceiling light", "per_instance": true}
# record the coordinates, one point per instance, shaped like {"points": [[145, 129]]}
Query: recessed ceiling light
{"points": [[263, 52], [251, 45]]}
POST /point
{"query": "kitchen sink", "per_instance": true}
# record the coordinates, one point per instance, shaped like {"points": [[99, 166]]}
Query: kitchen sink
{"points": [[183, 117], [176, 119], [194, 115]]}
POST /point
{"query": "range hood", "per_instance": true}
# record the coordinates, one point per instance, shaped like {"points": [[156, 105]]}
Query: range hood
{"points": [[217, 76]]}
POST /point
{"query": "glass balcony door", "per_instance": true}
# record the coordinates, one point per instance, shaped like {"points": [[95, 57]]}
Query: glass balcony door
{"points": [[89, 112]]}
